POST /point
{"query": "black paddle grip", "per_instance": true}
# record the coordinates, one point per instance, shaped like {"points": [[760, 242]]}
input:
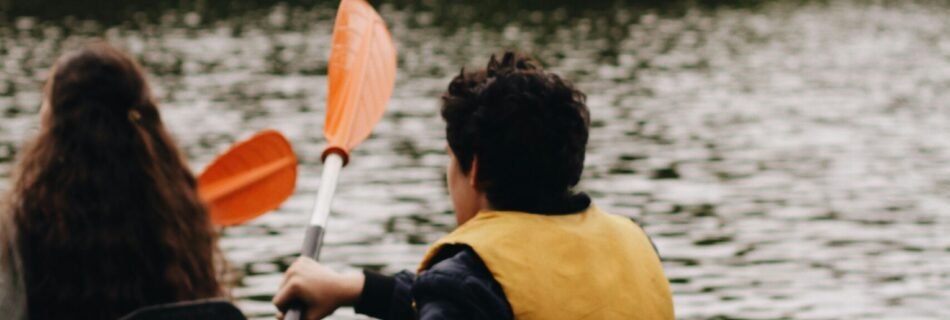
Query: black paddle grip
{"points": [[311, 248], [313, 242]]}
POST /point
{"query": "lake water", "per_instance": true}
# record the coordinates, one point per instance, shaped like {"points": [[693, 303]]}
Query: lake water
{"points": [[790, 161]]}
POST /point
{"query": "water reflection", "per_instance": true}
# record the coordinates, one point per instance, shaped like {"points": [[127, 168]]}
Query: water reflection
{"points": [[789, 160]]}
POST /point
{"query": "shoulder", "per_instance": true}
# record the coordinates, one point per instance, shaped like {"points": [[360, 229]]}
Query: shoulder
{"points": [[459, 267], [457, 260], [459, 280], [640, 227]]}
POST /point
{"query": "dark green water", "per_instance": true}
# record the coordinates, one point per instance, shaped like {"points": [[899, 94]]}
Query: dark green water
{"points": [[117, 11], [791, 161]]}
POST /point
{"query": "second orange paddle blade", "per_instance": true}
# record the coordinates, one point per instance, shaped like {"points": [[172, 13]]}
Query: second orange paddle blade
{"points": [[250, 179]]}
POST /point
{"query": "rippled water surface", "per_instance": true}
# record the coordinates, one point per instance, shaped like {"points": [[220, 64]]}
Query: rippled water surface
{"points": [[789, 161]]}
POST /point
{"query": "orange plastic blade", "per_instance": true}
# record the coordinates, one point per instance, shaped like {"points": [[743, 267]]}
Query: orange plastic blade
{"points": [[362, 74], [250, 179]]}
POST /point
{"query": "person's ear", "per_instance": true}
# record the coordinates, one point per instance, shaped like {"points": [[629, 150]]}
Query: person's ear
{"points": [[473, 173]]}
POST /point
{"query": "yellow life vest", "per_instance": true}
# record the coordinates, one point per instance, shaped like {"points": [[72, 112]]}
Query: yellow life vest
{"points": [[588, 265]]}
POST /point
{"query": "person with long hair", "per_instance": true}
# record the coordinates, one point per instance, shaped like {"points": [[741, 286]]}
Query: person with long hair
{"points": [[103, 216]]}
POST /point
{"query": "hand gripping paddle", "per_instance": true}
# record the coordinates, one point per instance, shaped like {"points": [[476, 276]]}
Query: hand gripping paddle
{"points": [[362, 73]]}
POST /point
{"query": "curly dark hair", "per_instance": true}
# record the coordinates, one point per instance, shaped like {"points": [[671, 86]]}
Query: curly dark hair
{"points": [[106, 211], [528, 129]]}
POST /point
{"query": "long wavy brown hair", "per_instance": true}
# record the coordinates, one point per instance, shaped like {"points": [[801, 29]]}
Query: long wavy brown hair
{"points": [[105, 209]]}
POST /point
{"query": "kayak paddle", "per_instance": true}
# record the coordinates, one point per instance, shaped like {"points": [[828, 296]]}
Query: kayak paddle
{"points": [[251, 178], [362, 73]]}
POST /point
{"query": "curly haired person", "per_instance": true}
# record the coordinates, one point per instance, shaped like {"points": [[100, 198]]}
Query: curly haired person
{"points": [[527, 246]]}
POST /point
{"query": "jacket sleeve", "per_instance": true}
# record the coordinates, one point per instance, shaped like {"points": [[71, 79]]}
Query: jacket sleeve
{"points": [[460, 287], [387, 297]]}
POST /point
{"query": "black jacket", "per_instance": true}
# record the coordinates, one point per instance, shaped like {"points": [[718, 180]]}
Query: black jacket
{"points": [[457, 286]]}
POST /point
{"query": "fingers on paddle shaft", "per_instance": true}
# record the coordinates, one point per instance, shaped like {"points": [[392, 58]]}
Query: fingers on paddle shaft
{"points": [[294, 313], [250, 179], [311, 248]]}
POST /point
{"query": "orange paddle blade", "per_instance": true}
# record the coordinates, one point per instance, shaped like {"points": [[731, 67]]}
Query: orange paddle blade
{"points": [[251, 178], [362, 74]]}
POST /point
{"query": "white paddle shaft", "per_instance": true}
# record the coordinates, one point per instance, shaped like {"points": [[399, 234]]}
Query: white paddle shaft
{"points": [[318, 218], [331, 172]]}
